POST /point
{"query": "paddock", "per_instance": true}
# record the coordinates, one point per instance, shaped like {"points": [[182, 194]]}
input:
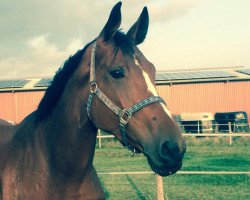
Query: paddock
{"points": [[224, 170]]}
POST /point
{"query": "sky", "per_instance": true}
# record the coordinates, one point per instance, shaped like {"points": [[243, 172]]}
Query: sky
{"points": [[36, 37]]}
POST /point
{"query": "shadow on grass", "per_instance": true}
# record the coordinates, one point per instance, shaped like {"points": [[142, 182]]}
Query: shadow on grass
{"points": [[208, 180], [234, 162], [107, 194], [136, 189]]}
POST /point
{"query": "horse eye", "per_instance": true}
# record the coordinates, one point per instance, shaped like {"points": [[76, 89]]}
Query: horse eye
{"points": [[117, 73]]}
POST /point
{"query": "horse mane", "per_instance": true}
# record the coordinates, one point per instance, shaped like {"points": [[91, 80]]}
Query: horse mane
{"points": [[55, 90]]}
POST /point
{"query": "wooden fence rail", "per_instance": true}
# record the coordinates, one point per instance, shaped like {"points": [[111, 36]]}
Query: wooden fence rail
{"points": [[159, 181]]}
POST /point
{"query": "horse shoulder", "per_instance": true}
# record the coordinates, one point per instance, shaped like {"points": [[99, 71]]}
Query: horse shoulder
{"points": [[7, 131], [23, 172]]}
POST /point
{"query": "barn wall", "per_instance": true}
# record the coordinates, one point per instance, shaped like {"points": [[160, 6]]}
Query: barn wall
{"points": [[14, 106], [193, 97], [207, 97]]}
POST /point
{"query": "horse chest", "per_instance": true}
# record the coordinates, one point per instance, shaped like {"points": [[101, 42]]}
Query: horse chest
{"points": [[37, 185], [18, 184]]}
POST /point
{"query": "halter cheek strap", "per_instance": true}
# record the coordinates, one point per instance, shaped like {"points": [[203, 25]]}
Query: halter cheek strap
{"points": [[123, 114]]}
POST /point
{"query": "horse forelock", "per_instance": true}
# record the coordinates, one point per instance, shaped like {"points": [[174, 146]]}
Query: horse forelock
{"points": [[121, 41]]}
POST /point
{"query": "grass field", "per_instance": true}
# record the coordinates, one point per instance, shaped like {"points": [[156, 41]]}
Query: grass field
{"points": [[203, 154]]}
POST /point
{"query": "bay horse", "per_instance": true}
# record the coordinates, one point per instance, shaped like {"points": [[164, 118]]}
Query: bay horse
{"points": [[107, 85]]}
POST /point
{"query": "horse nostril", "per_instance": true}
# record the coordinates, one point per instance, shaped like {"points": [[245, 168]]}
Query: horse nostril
{"points": [[170, 151], [165, 151]]}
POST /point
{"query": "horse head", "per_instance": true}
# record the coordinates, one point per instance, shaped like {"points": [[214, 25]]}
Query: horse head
{"points": [[123, 99]]}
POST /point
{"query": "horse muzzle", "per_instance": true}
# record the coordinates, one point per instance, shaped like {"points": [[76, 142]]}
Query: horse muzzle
{"points": [[168, 160]]}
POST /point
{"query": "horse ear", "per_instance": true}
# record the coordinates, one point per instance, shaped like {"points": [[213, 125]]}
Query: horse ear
{"points": [[139, 30], [113, 23]]}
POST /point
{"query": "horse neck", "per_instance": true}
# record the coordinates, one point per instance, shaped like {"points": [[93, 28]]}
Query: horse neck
{"points": [[71, 137]]}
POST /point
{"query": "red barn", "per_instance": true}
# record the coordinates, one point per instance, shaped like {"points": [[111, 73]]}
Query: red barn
{"points": [[206, 90]]}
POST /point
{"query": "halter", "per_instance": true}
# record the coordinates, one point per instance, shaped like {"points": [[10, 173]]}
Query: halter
{"points": [[123, 114]]}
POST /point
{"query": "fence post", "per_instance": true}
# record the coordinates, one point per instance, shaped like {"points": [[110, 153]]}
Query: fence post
{"points": [[216, 128], [230, 132], [159, 182], [100, 139]]}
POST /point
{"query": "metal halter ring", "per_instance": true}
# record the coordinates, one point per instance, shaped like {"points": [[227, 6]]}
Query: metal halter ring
{"points": [[93, 87]]}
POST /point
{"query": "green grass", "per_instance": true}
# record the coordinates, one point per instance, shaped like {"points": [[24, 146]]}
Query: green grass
{"points": [[203, 154]]}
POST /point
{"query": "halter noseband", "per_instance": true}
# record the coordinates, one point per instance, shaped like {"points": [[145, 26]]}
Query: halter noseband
{"points": [[123, 114]]}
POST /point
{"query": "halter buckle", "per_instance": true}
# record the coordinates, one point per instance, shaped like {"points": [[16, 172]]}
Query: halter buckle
{"points": [[124, 116]]}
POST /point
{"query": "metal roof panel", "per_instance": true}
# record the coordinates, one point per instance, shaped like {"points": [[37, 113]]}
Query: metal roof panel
{"points": [[194, 75], [244, 71], [45, 82], [13, 83]]}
